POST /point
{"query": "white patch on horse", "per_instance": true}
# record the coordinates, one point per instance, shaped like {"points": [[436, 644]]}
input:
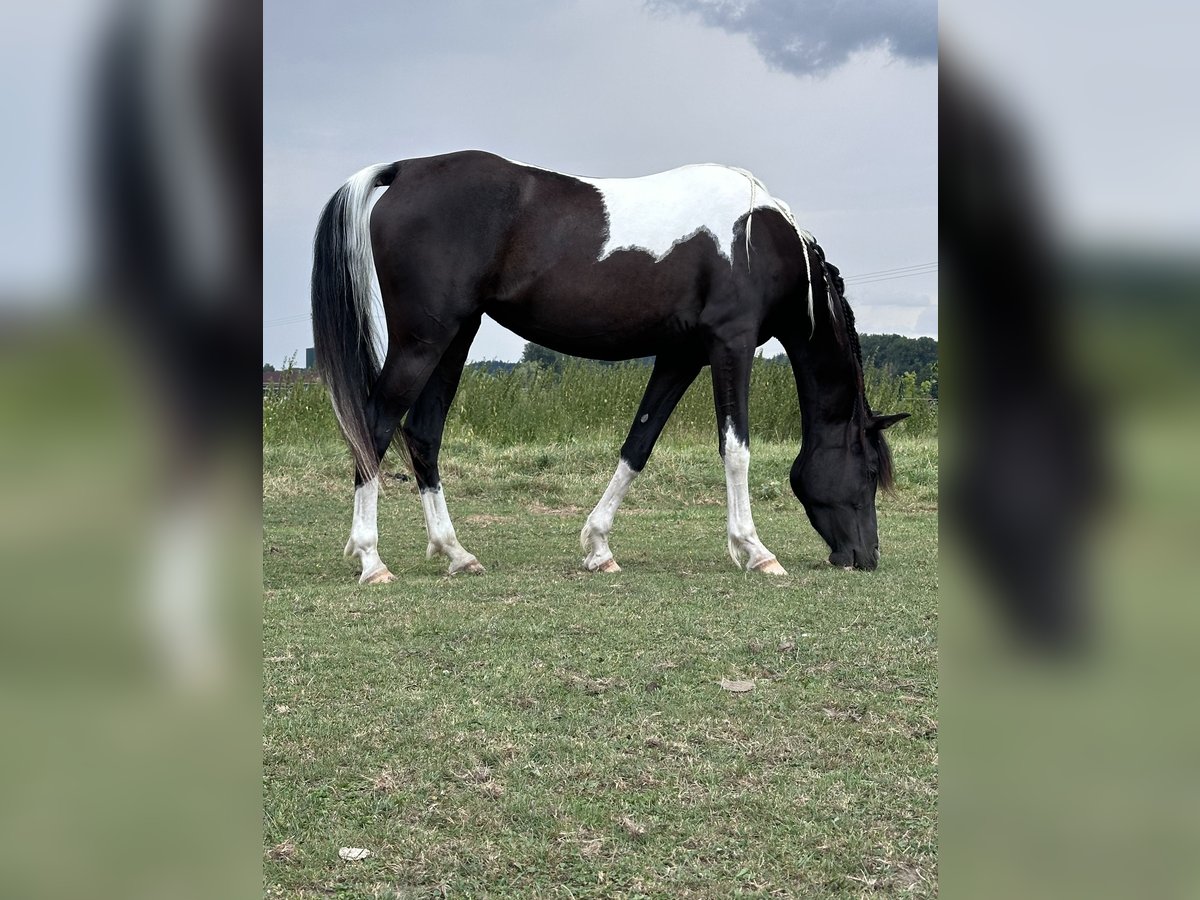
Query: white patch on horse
{"points": [[440, 530], [364, 533], [594, 537], [743, 537], [655, 213]]}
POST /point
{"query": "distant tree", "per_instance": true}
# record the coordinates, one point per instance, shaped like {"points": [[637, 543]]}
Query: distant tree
{"points": [[267, 367], [543, 356], [492, 366], [897, 354], [552, 359]]}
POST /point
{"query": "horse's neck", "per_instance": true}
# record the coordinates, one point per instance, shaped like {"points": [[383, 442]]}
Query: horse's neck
{"points": [[828, 381]]}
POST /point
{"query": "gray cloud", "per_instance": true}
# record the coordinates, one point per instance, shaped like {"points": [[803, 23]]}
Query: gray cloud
{"points": [[814, 37]]}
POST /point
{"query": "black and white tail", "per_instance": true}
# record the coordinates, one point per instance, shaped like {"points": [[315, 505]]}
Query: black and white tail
{"points": [[341, 308]]}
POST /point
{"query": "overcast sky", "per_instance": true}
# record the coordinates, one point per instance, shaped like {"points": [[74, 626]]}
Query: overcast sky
{"points": [[836, 111]]}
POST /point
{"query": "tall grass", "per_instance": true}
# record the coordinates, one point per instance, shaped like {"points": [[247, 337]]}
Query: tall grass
{"points": [[531, 404]]}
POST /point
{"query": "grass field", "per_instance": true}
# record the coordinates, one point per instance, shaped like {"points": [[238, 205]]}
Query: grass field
{"points": [[542, 732], [539, 406]]}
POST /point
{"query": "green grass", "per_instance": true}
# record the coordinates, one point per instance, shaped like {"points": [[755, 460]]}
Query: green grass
{"points": [[542, 732]]}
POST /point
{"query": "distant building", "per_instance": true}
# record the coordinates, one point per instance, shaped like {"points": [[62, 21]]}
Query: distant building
{"points": [[273, 381], [310, 358]]}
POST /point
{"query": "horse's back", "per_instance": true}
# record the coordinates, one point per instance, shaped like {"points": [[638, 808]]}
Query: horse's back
{"points": [[472, 191]]}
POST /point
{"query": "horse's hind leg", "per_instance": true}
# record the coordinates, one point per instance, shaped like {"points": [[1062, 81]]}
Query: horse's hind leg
{"points": [[403, 376], [731, 364], [423, 434], [668, 383], [364, 532]]}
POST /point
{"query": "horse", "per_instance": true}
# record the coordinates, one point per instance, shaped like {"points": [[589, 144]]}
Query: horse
{"points": [[694, 266]]}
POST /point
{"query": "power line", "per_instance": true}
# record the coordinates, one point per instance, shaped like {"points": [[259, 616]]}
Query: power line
{"points": [[929, 271], [891, 277], [892, 271], [886, 275], [877, 280], [287, 320]]}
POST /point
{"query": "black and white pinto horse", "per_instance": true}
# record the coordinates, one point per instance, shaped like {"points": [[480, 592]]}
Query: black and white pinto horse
{"points": [[696, 266]]}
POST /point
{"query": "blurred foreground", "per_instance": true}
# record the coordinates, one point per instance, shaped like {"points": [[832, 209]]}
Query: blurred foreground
{"points": [[129, 472], [1070, 756]]}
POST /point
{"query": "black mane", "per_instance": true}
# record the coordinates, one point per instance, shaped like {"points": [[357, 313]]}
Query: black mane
{"points": [[886, 469]]}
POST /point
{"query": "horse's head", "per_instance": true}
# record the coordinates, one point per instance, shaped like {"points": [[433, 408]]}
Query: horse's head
{"points": [[836, 480]]}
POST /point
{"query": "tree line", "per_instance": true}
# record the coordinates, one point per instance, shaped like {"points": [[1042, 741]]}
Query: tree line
{"points": [[892, 353]]}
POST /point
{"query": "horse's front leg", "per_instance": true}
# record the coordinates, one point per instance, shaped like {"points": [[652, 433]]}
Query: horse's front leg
{"points": [[668, 383], [731, 362]]}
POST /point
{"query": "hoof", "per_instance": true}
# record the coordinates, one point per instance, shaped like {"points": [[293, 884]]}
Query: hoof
{"points": [[379, 576], [470, 567], [608, 565], [770, 567]]}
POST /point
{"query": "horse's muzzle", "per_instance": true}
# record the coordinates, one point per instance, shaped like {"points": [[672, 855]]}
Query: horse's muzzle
{"points": [[855, 559]]}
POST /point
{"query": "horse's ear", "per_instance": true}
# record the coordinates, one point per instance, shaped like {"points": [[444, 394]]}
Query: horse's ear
{"points": [[878, 423]]}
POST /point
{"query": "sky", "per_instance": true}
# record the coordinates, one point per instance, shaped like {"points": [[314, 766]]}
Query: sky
{"points": [[834, 107]]}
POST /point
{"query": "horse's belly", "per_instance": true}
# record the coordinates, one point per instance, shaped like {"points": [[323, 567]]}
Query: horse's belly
{"points": [[601, 317]]}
